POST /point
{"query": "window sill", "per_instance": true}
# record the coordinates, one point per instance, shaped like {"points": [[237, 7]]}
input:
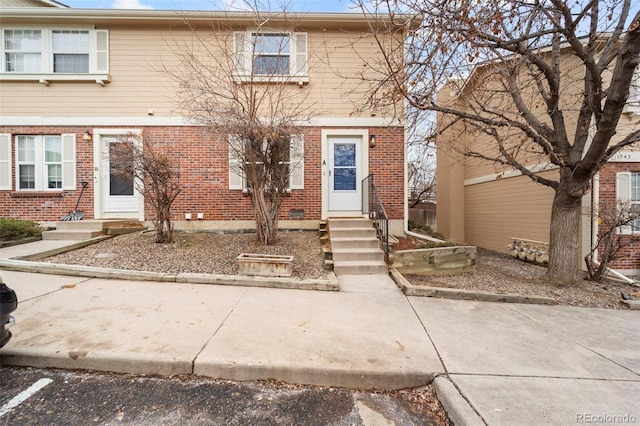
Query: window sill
{"points": [[45, 79], [286, 79], [36, 194]]}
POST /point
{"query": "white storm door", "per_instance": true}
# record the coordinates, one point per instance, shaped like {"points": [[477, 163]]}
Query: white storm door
{"points": [[345, 173], [119, 192]]}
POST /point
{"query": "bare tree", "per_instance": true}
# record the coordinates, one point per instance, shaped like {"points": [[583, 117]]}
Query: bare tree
{"points": [[155, 174], [550, 89], [249, 90], [610, 242], [421, 158]]}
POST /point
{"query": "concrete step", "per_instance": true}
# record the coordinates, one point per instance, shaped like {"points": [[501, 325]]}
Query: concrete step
{"points": [[354, 243], [359, 268], [335, 223], [353, 233], [70, 235], [362, 255], [123, 228], [79, 225]]}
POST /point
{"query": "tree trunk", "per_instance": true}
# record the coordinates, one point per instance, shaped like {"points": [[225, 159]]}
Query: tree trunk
{"points": [[564, 251], [266, 217]]}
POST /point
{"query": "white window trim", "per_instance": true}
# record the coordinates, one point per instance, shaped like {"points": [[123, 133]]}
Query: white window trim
{"points": [[5, 162], [298, 58], [68, 163], [633, 103], [237, 179], [98, 57], [623, 194]]}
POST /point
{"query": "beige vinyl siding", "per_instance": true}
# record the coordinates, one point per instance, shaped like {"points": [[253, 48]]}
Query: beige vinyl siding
{"points": [[486, 90], [22, 3], [512, 207], [138, 84]]}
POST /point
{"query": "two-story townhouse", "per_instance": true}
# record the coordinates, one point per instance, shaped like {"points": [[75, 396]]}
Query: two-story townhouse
{"points": [[74, 81], [486, 204]]}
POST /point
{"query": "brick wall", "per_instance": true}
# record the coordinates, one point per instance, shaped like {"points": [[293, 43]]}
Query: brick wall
{"points": [[204, 168], [386, 162], [630, 255]]}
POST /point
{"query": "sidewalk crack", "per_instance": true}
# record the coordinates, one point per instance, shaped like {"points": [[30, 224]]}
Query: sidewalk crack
{"points": [[424, 327], [222, 323]]}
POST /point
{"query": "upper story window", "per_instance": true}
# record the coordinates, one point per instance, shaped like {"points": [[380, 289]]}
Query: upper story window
{"points": [[271, 56], [633, 102], [70, 51], [45, 54], [23, 50]]}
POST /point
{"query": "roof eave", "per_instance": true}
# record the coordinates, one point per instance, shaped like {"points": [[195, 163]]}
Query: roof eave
{"points": [[151, 17]]}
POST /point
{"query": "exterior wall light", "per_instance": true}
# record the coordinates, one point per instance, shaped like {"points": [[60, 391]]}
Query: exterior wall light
{"points": [[372, 141], [87, 136]]}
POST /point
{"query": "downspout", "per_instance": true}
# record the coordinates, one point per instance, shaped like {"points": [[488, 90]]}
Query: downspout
{"points": [[406, 197], [595, 190]]}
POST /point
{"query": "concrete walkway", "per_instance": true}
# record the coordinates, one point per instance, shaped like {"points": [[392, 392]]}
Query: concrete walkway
{"points": [[493, 363]]}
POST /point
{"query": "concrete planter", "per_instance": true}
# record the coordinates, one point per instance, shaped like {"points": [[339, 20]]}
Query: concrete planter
{"points": [[266, 265], [436, 261]]}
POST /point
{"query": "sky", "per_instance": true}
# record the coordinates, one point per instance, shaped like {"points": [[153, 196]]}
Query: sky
{"points": [[293, 5]]}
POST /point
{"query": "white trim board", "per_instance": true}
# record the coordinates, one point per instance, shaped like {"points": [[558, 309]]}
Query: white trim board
{"points": [[179, 121], [626, 157], [540, 167]]}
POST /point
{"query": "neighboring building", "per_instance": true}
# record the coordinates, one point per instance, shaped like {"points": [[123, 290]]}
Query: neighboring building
{"points": [[73, 81], [484, 204]]}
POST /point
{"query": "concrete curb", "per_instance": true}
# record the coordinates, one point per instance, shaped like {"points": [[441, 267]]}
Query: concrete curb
{"points": [[633, 305], [453, 293], [187, 278], [66, 248], [456, 406], [317, 376], [95, 361]]}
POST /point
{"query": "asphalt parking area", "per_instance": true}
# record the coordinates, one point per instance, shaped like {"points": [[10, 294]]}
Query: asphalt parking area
{"points": [[79, 398]]}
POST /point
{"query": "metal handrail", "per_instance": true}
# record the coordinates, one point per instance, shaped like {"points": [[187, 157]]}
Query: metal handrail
{"points": [[372, 206]]}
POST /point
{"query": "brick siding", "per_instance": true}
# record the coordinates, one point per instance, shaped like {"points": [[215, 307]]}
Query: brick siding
{"points": [[204, 176], [630, 255]]}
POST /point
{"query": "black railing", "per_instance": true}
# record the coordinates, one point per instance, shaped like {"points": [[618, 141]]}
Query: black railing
{"points": [[372, 206]]}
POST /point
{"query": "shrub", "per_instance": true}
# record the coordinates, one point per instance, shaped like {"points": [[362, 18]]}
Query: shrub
{"points": [[426, 230], [16, 229], [431, 244]]}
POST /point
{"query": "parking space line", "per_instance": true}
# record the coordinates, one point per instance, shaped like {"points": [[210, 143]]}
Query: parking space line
{"points": [[24, 395]]}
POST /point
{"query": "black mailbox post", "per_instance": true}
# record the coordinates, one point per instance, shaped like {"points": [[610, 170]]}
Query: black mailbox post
{"points": [[8, 304]]}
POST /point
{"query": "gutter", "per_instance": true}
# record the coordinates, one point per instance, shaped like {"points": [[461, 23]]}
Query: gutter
{"points": [[114, 16]]}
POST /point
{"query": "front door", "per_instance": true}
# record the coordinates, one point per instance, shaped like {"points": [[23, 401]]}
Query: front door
{"points": [[120, 197], [345, 173]]}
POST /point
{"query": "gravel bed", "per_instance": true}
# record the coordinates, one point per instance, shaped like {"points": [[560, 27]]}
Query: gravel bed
{"points": [[216, 254], [198, 252], [500, 273]]}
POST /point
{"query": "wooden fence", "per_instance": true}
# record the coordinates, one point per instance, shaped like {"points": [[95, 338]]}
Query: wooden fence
{"points": [[424, 215]]}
